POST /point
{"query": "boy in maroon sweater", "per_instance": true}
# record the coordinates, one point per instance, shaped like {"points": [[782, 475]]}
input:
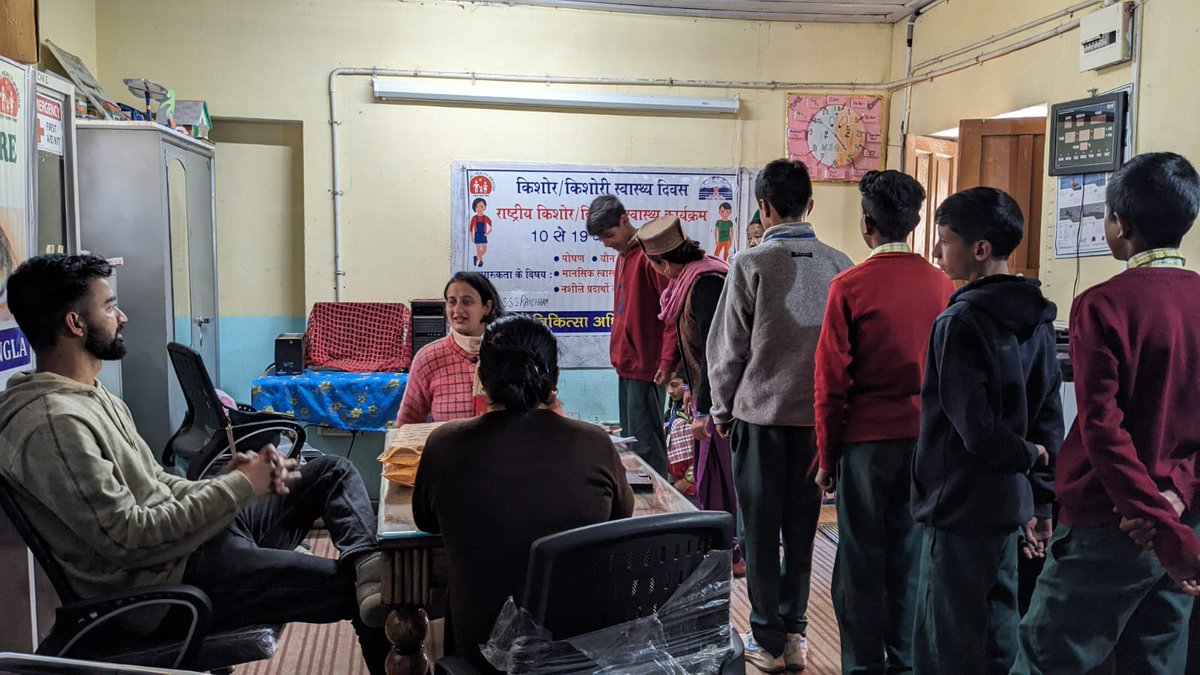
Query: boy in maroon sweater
{"points": [[642, 347], [1129, 461], [869, 367]]}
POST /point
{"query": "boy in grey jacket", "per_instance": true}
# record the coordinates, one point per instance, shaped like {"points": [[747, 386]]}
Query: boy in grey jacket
{"points": [[760, 361]]}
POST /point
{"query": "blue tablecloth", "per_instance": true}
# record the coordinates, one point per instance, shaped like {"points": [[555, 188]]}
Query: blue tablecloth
{"points": [[348, 401]]}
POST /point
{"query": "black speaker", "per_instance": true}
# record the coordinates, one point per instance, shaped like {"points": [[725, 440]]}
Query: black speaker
{"points": [[428, 322], [289, 354]]}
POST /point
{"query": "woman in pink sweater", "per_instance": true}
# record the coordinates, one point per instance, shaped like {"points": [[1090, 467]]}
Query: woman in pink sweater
{"points": [[441, 383]]}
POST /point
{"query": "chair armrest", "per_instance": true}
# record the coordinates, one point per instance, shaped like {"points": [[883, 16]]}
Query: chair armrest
{"points": [[74, 621]]}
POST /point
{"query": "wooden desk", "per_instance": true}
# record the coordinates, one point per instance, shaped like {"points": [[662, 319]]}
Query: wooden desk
{"points": [[414, 570]]}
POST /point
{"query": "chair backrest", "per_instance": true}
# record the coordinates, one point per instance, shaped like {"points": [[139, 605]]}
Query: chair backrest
{"points": [[202, 441], [203, 426], [600, 575], [41, 552]]}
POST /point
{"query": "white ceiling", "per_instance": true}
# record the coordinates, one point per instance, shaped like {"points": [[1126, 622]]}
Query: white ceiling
{"points": [[840, 11]]}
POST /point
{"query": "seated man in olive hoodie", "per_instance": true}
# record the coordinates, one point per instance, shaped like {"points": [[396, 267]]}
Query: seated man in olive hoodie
{"points": [[114, 519]]}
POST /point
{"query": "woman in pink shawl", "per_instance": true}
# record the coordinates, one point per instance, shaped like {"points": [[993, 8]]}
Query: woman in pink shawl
{"points": [[690, 301]]}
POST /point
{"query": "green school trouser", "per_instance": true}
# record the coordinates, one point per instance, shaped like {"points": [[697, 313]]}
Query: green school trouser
{"points": [[1098, 595], [874, 576], [774, 470], [641, 406], [966, 616]]}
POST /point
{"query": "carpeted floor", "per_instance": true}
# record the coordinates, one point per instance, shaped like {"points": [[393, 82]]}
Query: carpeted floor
{"points": [[333, 649]]}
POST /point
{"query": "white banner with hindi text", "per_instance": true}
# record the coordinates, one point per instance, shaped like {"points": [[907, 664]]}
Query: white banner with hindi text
{"points": [[524, 226]]}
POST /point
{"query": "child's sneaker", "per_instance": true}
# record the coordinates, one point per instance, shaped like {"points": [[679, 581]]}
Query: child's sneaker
{"points": [[761, 658], [795, 654]]}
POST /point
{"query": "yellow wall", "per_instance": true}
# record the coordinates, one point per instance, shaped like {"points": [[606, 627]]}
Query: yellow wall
{"points": [[271, 59], [1049, 72], [70, 24]]}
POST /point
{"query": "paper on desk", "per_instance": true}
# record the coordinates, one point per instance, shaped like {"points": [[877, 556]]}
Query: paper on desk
{"points": [[623, 441], [402, 456]]}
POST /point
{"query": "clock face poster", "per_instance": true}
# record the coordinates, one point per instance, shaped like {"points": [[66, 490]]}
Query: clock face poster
{"points": [[838, 137]]}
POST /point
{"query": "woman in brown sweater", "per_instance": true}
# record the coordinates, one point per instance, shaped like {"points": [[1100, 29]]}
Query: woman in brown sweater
{"points": [[494, 484]]}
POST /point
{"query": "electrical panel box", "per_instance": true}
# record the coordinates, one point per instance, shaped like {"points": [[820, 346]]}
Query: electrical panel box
{"points": [[1104, 37]]}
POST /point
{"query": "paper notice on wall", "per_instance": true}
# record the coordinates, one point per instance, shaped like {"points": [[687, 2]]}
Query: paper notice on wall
{"points": [[1080, 223], [525, 228], [49, 125]]}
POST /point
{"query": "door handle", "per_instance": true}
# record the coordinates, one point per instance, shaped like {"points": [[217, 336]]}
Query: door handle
{"points": [[201, 322]]}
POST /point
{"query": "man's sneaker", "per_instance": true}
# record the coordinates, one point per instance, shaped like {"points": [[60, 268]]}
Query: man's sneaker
{"points": [[761, 658], [795, 654]]}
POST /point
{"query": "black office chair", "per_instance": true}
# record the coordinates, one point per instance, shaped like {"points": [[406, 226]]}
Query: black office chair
{"points": [[200, 447], [83, 628], [594, 577]]}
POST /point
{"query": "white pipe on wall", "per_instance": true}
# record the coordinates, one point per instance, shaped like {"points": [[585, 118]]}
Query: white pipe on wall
{"points": [[337, 193], [1006, 34], [1136, 76]]}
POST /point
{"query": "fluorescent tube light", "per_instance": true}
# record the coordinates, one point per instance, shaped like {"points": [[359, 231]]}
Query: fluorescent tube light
{"points": [[393, 90]]}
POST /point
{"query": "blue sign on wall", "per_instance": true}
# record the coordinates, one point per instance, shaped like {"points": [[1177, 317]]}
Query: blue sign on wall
{"points": [[14, 350]]}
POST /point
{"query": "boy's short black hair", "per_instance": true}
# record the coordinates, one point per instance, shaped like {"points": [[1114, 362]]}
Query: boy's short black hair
{"points": [[892, 202], [984, 214], [477, 202], [725, 205], [604, 214], [785, 185], [1158, 193], [46, 288]]}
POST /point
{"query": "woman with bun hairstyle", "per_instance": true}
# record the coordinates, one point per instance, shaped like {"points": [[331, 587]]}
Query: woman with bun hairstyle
{"points": [[494, 484]]}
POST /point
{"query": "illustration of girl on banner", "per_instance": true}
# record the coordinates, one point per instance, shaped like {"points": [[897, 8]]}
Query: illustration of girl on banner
{"points": [[480, 228]]}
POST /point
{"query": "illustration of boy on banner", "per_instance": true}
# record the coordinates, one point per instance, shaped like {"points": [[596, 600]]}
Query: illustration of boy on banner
{"points": [[480, 228], [723, 231]]}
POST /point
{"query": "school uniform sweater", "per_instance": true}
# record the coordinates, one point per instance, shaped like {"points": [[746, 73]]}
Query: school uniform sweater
{"points": [[764, 335], [991, 393], [1135, 347], [641, 344], [870, 358]]}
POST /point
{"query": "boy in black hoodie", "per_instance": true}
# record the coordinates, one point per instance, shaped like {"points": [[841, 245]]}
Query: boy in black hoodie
{"points": [[991, 424]]}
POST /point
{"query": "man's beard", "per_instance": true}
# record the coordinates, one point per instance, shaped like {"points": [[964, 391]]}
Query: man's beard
{"points": [[105, 350]]}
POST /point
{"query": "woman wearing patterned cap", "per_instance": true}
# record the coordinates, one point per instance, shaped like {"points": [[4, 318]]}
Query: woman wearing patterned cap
{"points": [[690, 302]]}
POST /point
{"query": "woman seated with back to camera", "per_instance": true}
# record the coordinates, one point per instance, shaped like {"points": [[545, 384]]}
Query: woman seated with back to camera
{"points": [[494, 484]]}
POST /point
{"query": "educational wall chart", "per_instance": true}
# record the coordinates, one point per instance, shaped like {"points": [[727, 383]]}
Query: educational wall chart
{"points": [[525, 227], [838, 137], [1080, 230]]}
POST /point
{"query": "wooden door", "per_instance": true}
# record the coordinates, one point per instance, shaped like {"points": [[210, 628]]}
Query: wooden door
{"points": [[1008, 154], [934, 163]]}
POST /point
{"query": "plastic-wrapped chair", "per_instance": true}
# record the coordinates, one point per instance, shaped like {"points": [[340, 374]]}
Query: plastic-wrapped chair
{"points": [[200, 447], [600, 576], [83, 629]]}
